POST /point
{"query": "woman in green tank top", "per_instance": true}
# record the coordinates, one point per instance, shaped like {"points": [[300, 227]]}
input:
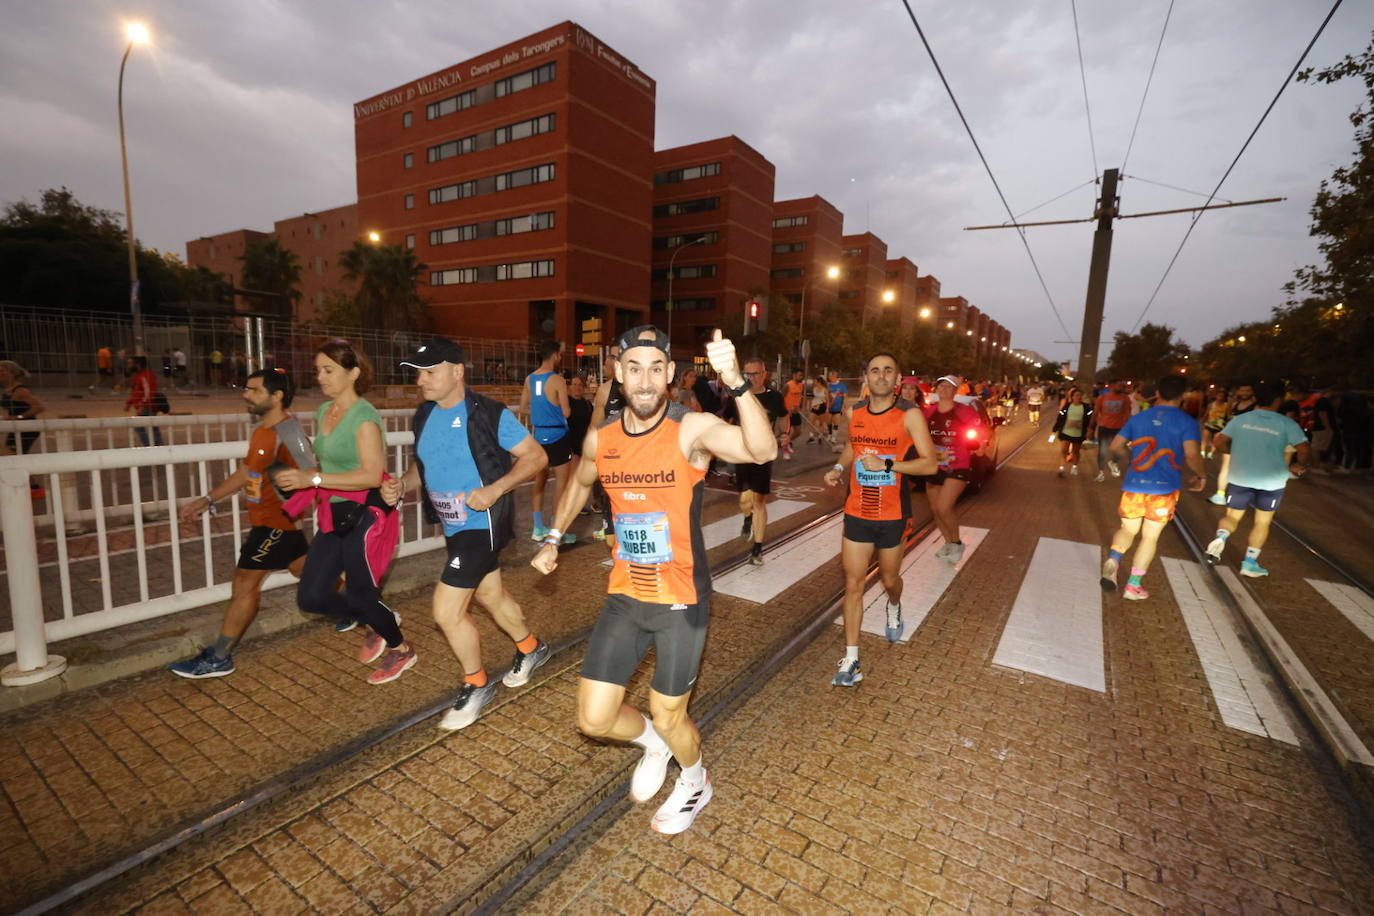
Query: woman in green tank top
{"points": [[350, 445]]}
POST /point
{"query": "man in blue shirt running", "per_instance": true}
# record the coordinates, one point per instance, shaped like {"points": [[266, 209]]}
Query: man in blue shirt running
{"points": [[544, 401], [1160, 440], [1259, 443]]}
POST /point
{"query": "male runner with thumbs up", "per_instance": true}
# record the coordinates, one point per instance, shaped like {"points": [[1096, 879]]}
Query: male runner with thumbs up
{"points": [[652, 462]]}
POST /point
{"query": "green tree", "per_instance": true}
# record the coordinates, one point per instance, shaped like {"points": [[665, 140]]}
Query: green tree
{"points": [[1342, 217], [273, 273], [1148, 354], [388, 278], [338, 310]]}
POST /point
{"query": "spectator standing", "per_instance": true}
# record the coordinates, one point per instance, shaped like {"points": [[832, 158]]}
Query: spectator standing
{"points": [[179, 366], [104, 369], [143, 396]]}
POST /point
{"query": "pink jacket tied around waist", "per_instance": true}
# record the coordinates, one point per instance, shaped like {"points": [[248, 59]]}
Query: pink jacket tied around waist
{"points": [[379, 544]]}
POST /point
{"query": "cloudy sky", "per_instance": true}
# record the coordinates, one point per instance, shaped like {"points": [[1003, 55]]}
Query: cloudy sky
{"points": [[241, 114]]}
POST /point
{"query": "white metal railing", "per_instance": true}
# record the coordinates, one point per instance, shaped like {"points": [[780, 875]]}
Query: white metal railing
{"points": [[35, 565]]}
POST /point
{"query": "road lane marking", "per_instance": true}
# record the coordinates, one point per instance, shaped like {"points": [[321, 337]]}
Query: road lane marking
{"points": [[784, 566], [924, 580], [1055, 625], [1245, 698], [1357, 607]]}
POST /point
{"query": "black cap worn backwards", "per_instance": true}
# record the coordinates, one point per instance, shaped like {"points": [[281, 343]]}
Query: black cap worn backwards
{"points": [[434, 351], [646, 335]]}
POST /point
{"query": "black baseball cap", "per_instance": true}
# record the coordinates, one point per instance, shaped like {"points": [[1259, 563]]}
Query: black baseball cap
{"points": [[434, 351], [646, 335]]}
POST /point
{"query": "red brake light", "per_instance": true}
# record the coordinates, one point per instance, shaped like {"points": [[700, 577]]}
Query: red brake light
{"points": [[971, 434]]}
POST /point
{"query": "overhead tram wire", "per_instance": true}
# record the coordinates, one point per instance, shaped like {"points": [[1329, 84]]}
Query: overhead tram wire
{"points": [[1148, 80], [1077, 187], [1244, 146], [1083, 77], [1171, 187], [978, 149]]}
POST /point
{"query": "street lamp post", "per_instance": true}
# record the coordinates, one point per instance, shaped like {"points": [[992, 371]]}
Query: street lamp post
{"points": [[696, 241], [831, 272], [137, 34]]}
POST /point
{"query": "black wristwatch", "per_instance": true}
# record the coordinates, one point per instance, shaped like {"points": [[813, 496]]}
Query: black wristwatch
{"points": [[743, 386], [887, 465]]}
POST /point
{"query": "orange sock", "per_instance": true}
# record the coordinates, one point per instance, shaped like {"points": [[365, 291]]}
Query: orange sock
{"points": [[528, 644], [479, 679]]}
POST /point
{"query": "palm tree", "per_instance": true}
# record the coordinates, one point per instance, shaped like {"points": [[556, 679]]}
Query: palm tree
{"points": [[273, 271], [388, 278]]}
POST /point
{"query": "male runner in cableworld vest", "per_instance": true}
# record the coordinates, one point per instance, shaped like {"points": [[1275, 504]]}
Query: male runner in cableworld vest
{"points": [[652, 462]]}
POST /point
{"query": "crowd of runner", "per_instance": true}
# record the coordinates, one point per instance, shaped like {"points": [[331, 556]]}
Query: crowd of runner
{"points": [[638, 456]]}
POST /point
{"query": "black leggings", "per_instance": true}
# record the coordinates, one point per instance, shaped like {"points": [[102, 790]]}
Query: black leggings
{"points": [[331, 554]]}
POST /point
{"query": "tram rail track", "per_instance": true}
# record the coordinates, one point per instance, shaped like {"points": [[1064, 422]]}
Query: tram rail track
{"points": [[514, 875]]}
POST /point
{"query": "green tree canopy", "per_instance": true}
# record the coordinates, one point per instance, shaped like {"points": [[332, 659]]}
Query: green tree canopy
{"points": [[275, 273], [1148, 354], [388, 278]]}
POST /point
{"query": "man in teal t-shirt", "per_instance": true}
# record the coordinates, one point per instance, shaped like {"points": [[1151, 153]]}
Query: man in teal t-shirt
{"points": [[1259, 443]]}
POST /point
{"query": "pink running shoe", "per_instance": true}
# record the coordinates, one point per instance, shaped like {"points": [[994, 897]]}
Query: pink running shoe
{"points": [[1134, 593], [372, 648], [394, 664]]}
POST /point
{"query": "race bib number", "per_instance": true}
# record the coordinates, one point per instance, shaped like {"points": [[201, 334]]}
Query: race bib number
{"points": [[867, 478], [451, 508], [942, 455], [252, 490], [643, 538]]}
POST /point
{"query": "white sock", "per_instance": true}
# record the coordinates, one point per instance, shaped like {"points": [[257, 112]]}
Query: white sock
{"points": [[892, 608], [650, 739], [1252, 553], [1223, 533], [695, 774], [851, 653]]}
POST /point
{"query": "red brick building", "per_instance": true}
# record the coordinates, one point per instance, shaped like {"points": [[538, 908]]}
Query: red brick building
{"points": [[953, 313], [863, 275], [900, 279], [223, 253], [806, 245], [318, 239], [523, 179], [721, 192]]}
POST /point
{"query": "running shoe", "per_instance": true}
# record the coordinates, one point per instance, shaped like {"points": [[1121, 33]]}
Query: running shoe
{"points": [[1217, 499], [522, 666], [756, 555], [1214, 550], [1061, 470], [787, 453], [650, 772], [468, 706], [683, 806], [540, 533], [895, 625], [1250, 568], [1134, 593], [394, 664], [206, 664], [1109, 567], [1114, 468], [848, 675], [343, 626], [954, 554], [372, 648], [1100, 477], [600, 533], [1073, 470]]}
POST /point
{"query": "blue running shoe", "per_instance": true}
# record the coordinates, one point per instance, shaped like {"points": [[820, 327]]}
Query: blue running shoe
{"points": [[1252, 569], [344, 625], [895, 625], [206, 664], [849, 673]]}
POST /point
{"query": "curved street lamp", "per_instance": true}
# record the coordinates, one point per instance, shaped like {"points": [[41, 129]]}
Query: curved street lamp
{"points": [[669, 304], [137, 33]]}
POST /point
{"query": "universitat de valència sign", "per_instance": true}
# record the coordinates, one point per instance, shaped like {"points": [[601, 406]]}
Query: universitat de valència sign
{"points": [[579, 38]]}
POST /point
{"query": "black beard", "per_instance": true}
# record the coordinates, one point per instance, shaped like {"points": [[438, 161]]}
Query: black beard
{"points": [[649, 413]]}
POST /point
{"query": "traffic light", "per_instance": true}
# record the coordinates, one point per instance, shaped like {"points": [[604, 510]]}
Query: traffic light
{"points": [[751, 316]]}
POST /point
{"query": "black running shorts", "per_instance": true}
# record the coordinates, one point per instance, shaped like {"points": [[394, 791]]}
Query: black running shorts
{"points": [[627, 628], [757, 478], [881, 534], [271, 548], [560, 452], [470, 558], [940, 476]]}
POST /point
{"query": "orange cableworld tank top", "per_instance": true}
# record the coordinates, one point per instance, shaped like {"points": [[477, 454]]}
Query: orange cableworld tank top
{"points": [[656, 497], [879, 495]]}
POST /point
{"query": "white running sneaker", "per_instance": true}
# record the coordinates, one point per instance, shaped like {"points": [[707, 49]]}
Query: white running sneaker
{"points": [[683, 806], [1073, 470], [1214, 550], [1100, 477], [955, 554], [649, 773], [1114, 468], [943, 551]]}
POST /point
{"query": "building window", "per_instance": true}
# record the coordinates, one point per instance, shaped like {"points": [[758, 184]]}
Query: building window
{"points": [[319, 297], [686, 272], [517, 224], [519, 178], [700, 304], [407, 119], [697, 171], [452, 148], [410, 201], [449, 192], [451, 104], [453, 277], [853, 273], [319, 266], [453, 234], [522, 129], [410, 240], [788, 222], [408, 160], [524, 270], [677, 208], [526, 80], [851, 252], [788, 247], [892, 274], [787, 273], [672, 241]]}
